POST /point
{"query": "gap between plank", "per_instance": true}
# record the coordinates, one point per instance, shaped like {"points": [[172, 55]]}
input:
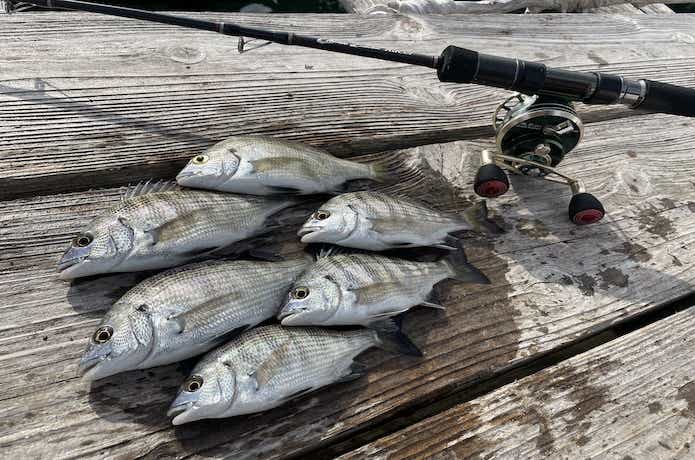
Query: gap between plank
{"points": [[436, 404]]}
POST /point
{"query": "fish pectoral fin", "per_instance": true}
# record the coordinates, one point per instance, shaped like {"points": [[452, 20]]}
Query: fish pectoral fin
{"points": [[275, 173], [178, 228], [271, 365], [265, 165], [433, 301], [201, 313], [432, 305], [399, 225], [355, 371], [233, 334], [377, 292], [388, 314]]}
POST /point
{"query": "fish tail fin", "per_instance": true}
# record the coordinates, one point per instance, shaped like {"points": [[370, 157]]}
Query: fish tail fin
{"points": [[391, 338], [394, 169], [382, 172], [462, 270], [477, 217]]}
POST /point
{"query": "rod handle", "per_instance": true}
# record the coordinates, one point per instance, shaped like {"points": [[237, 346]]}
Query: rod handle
{"points": [[667, 98]]}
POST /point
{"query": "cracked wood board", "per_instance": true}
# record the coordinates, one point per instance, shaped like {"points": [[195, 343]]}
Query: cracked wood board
{"points": [[553, 283], [633, 397], [94, 101]]}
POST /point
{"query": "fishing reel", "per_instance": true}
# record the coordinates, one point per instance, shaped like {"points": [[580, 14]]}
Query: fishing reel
{"points": [[533, 135]]}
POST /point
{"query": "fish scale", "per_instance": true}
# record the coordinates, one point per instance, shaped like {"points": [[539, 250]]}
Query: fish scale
{"points": [[265, 166], [380, 204], [358, 269], [311, 358], [167, 228], [376, 221], [359, 289], [268, 366], [190, 308]]}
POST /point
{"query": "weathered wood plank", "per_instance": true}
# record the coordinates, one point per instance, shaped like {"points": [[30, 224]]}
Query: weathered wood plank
{"points": [[630, 398], [92, 101], [494, 6], [552, 283]]}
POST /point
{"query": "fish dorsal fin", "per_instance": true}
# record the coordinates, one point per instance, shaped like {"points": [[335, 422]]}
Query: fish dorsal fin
{"points": [[328, 250], [146, 187], [271, 365]]}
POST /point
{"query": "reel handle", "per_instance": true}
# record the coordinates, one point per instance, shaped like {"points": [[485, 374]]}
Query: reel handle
{"points": [[666, 98]]}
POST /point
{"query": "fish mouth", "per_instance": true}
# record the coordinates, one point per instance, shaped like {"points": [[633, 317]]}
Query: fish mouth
{"points": [[88, 368], [187, 174], [179, 413], [177, 410], [308, 234], [284, 314], [292, 318], [67, 268]]}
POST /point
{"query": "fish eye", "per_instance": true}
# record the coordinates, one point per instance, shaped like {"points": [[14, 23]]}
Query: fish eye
{"points": [[82, 240], [193, 383], [300, 293], [103, 334], [200, 159], [322, 215]]}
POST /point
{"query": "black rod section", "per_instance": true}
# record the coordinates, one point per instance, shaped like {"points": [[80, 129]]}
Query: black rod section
{"points": [[230, 28]]}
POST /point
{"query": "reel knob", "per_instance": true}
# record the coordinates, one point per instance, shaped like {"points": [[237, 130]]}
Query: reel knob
{"points": [[585, 209], [491, 181]]}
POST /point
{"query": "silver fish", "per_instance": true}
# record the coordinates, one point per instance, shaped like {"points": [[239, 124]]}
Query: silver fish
{"points": [[359, 289], [267, 366], [265, 165], [184, 312], [162, 229], [376, 221]]}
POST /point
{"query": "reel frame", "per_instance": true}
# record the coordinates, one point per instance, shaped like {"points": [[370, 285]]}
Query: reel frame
{"points": [[530, 128]]}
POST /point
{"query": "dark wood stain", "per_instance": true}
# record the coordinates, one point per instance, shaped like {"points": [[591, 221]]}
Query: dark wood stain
{"points": [[655, 407], [687, 394], [650, 220], [586, 284], [533, 228], [634, 251], [613, 277], [586, 395]]}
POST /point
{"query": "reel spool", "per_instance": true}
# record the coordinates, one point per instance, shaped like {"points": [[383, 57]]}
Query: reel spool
{"points": [[533, 135], [540, 130]]}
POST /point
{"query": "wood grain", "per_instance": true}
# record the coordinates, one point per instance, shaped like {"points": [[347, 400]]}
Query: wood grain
{"points": [[552, 284], [496, 6], [93, 101], [630, 398]]}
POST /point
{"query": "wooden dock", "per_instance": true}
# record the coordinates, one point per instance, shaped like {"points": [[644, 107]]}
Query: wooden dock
{"points": [[581, 347]]}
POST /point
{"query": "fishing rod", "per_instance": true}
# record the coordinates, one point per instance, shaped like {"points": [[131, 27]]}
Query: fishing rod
{"points": [[534, 128], [455, 64]]}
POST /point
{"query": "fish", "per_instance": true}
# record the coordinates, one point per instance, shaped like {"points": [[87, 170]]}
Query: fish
{"points": [[360, 289], [267, 366], [154, 228], [377, 221], [186, 311], [265, 166]]}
